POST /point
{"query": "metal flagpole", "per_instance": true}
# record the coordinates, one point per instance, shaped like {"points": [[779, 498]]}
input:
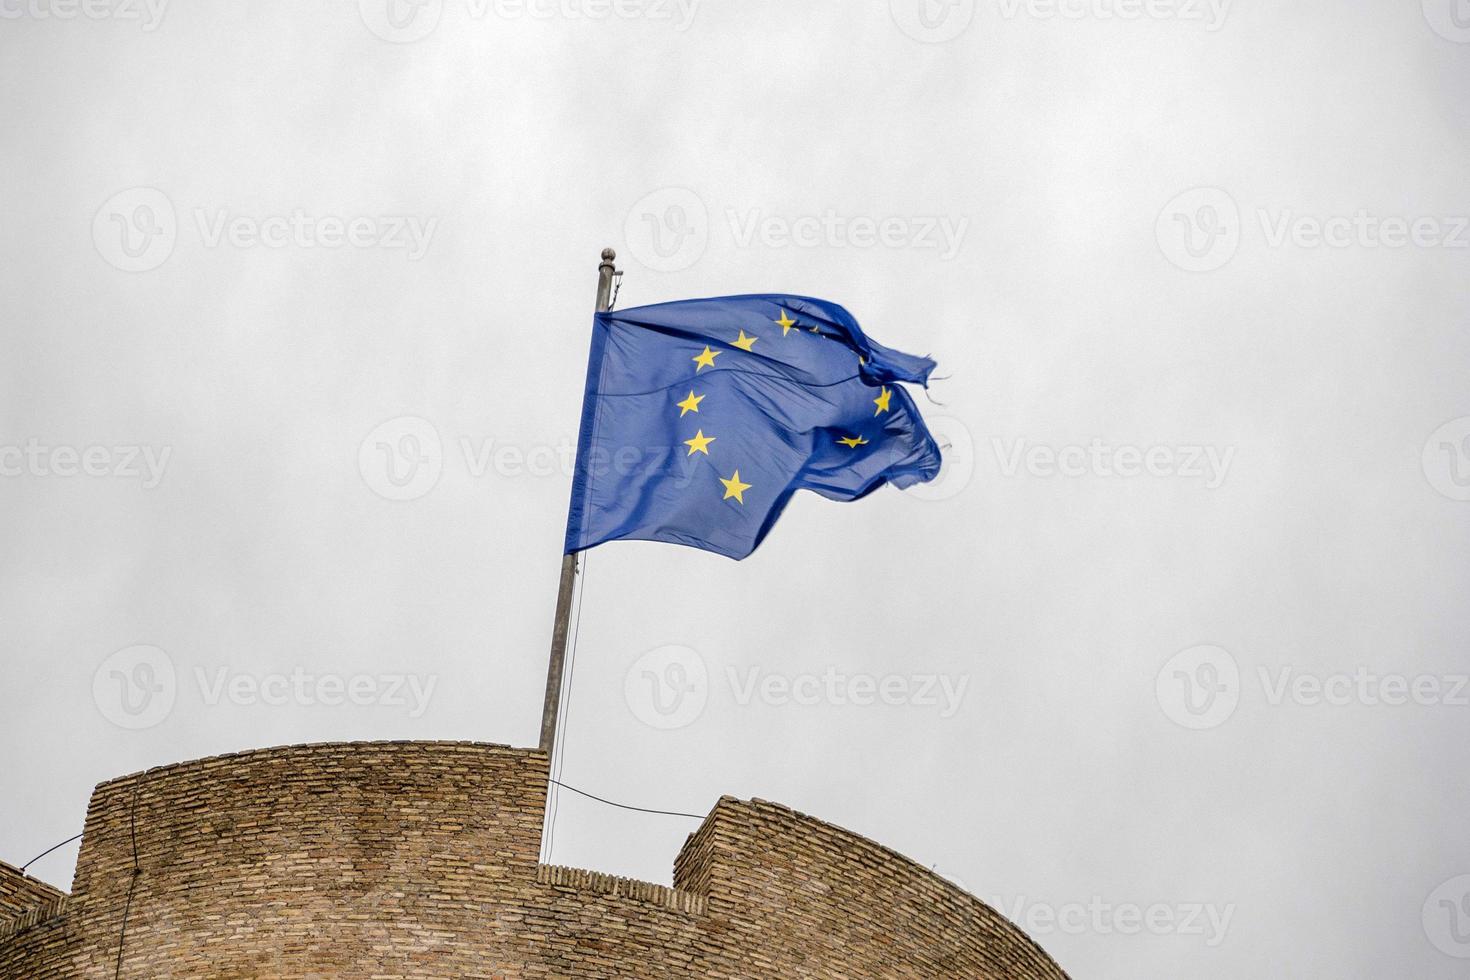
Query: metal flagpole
{"points": [[552, 707]]}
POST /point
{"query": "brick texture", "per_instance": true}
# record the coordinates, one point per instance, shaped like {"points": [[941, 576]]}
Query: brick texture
{"points": [[24, 901], [409, 861]]}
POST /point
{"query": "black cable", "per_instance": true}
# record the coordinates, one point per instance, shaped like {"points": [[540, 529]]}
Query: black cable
{"points": [[137, 870], [133, 881], [48, 851], [624, 806]]}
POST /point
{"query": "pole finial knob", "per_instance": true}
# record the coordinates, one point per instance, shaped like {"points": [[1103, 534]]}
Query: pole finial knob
{"points": [[608, 255]]}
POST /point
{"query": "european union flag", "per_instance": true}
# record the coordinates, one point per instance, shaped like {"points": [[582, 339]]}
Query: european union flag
{"points": [[701, 419]]}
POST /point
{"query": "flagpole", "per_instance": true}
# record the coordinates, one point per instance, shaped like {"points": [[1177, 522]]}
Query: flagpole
{"points": [[552, 707]]}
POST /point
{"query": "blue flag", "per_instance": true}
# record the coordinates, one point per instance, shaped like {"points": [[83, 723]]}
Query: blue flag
{"points": [[701, 418]]}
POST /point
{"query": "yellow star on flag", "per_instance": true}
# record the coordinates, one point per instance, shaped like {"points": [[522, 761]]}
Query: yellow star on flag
{"points": [[699, 444], [690, 404], [734, 488], [852, 442], [745, 343], [706, 359], [882, 401], [785, 323]]}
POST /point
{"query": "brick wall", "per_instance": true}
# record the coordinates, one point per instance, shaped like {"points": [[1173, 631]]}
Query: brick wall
{"points": [[25, 902], [419, 860], [20, 893]]}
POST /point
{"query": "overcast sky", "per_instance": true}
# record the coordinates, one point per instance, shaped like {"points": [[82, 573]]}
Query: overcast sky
{"points": [[1169, 664]]}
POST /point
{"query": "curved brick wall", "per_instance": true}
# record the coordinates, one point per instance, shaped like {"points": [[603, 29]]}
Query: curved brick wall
{"points": [[419, 860]]}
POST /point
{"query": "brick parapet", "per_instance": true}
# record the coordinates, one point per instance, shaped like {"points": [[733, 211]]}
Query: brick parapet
{"points": [[419, 860]]}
